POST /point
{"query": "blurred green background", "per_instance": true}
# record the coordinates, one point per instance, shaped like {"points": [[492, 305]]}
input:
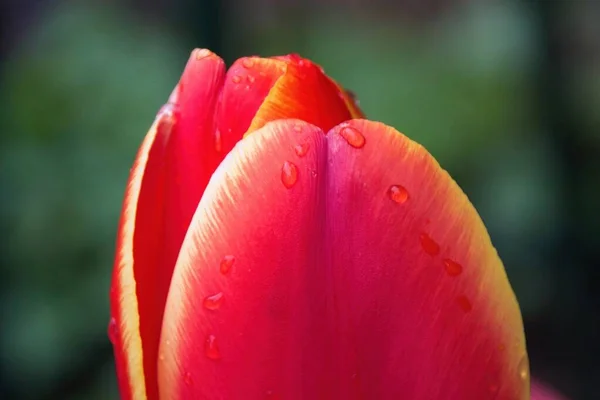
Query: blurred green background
{"points": [[505, 94]]}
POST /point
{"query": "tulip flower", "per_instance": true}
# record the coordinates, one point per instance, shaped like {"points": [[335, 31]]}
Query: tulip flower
{"points": [[274, 245]]}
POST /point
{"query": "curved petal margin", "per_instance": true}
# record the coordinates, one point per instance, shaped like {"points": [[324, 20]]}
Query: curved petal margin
{"points": [[166, 182], [343, 266]]}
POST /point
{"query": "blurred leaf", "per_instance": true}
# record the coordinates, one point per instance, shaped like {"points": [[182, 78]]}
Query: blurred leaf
{"points": [[78, 98]]}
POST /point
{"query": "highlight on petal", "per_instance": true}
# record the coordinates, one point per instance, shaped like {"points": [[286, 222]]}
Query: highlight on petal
{"points": [[343, 266], [170, 173]]}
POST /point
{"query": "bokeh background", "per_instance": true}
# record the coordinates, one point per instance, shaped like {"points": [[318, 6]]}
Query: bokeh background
{"points": [[506, 94]]}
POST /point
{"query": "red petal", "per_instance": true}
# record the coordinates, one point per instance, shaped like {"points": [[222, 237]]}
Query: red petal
{"points": [[263, 234], [248, 83], [340, 279], [422, 296], [170, 173], [259, 90]]}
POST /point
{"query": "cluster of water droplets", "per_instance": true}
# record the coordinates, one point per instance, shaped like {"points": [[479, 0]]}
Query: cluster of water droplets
{"points": [[400, 195]]}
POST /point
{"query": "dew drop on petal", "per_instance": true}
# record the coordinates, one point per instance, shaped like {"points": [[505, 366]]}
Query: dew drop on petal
{"points": [[464, 303], [289, 174], [398, 193], [452, 267], [429, 245], [213, 302], [248, 62], [187, 378], [523, 368], [301, 149], [236, 79], [298, 128], [353, 136], [112, 330], [211, 348], [250, 79], [226, 264]]}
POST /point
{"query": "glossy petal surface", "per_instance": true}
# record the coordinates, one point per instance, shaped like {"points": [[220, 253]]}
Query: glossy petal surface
{"points": [[356, 270], [170, 173]]}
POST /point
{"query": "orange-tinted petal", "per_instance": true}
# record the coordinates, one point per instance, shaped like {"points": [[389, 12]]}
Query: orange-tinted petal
{"points": [[305, 92], [356, 270], [170, 173], [259, 90]]}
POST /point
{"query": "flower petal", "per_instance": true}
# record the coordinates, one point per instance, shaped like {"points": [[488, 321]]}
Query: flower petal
{"points": [[249, 81], [422, 296], [239, 314], [170, 173], [305, 92], [357, 270]]}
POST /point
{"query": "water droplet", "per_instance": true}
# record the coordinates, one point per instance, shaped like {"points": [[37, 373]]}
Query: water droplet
{"points": [[429, 245], [398, 193], [452, 267], [218, 141], [236, 79], [161, 357], [211, 348], [187, 378], [202, 53], [353, 137], [523, 368], [248, 62], [289, 174], [226, 264], [464, 303], [213, 302], [112, 331], [298, 128], [250, 78], [301, 149]]}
